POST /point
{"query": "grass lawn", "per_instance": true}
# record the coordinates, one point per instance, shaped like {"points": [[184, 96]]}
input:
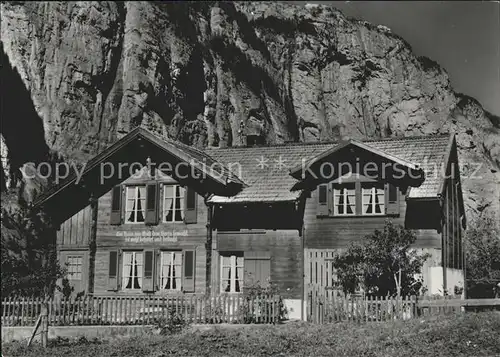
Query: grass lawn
{"points": [[462, 335]]}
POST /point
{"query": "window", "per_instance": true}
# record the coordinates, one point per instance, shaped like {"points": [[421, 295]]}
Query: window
{"points": [[344, 200], [135, 210], [232, 273], [373, 198], [173, 203], [74, 266], [132, 270], [171, 270]]}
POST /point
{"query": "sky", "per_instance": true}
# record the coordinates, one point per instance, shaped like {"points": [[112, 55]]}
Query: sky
{"points": [[462, 36]]}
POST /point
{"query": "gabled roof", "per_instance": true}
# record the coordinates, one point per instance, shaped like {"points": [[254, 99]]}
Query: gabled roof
{"points": [[136, 146], [200, 158], [428, 152], [294, 171], [260, 169], [255, 174], [270, 184]]}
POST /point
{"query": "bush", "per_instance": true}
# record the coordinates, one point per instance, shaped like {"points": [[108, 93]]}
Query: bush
{"points": [[257, 313], [383, 264], [482, 247], [171, 324]]}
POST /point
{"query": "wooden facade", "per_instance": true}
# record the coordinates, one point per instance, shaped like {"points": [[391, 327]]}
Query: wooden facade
{"points": [[327, 236], [115, 239], [269, 256], [453, 222], [224, 246]]}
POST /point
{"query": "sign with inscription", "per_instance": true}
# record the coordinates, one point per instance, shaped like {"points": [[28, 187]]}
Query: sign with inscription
{"points": [[151, 236]]}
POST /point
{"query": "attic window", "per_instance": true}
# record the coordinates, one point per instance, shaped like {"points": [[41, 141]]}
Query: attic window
{"points": [[173, 203], [373, 199], [135, 211], [344, 198]]}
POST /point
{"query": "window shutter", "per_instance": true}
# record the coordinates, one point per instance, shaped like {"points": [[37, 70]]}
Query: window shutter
{"points": [[151, 204], [322, 208], [190, 202], [391, 200], [157, 275], [116, 205], [189, 267], [257, 269], [148, 278], [113, 271]]}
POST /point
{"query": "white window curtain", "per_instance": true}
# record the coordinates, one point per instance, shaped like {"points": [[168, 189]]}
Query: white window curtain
{"points": [[179, 206], [132, 270], [373, 200], [173, 203], [232, 274], [136, 204], [344, 199], [171, 270]]}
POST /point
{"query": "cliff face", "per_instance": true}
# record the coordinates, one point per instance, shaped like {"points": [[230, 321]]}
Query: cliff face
{"points": [[211, 74]]}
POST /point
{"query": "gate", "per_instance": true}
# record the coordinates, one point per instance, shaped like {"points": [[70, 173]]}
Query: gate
{"points": [[319, 274]]}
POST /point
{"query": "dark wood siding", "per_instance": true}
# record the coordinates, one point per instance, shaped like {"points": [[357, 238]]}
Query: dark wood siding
{"points": [[284, 247], [75, 232], [340, 232], [452, 228]]}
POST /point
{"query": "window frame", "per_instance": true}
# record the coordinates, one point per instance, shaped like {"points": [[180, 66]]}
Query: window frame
{"points": [[344, 193], [142, 199], [232, 265], [139, 276], [357, 199], [373, 187], [174, 198], [70, 274], [179, 273]]}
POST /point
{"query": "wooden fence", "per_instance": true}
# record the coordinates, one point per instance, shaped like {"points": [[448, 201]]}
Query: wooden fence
{"points": [[143, 310], [325, 309]]}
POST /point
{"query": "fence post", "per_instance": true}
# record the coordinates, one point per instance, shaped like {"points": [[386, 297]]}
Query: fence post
{"points": [[45, 323]]}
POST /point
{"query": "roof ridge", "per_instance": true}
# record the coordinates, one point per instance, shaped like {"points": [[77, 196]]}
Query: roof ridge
{"points": [[416, 137], [289, 143], [330, 142]]}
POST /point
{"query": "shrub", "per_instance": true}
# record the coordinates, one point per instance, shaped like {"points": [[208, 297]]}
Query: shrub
{"points": [[171, 324], [258, 312], [384, 264]]}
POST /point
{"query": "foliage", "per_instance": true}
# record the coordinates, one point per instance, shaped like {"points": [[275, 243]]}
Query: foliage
{"points": [[482, 247], [66, 288], [29, 260], [171, 324], [457, 335], [255, 292], [384, 264]]}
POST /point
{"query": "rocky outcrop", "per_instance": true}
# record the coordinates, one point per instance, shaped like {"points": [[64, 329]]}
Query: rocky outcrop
{"points": [[211, 74]]}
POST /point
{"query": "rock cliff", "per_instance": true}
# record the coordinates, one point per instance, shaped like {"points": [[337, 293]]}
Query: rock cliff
{"points": [[212, 74]]}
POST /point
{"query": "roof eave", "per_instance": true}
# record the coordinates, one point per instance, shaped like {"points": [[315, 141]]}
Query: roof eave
{"points": [[298, 168], [291, 200], [137, 133], [446, 160]]}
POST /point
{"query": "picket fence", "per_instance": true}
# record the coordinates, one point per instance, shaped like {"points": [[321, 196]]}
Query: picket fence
{"points": [[326, 309], [322, 309], [143, 310]]}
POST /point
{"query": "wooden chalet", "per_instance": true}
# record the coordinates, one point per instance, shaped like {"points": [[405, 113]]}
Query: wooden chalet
{"points": [[237, 217]]}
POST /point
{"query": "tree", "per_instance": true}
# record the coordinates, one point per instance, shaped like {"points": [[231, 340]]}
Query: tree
{"points": [[29, 264], [482, 249], [384, 264]]}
